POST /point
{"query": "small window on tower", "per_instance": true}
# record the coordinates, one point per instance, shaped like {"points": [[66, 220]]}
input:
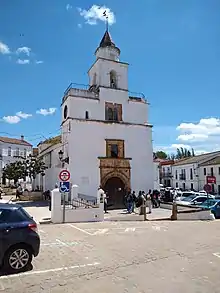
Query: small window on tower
{"points": [[113, 80], [87, 115], [114, 151]]}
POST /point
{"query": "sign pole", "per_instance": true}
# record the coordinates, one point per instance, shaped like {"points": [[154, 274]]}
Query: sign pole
{"points": [[64, 205]]}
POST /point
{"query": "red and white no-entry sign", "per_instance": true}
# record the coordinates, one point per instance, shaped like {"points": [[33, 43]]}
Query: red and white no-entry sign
{"points": [[64, 175]]}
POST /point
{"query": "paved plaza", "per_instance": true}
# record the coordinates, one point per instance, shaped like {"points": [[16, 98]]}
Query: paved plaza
{"points": [[134, 257]]}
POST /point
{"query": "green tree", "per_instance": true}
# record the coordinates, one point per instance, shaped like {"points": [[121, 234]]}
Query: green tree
{"points": [[14, 171], [182, 153], [34, 166], [30, 167], [161, 155]]}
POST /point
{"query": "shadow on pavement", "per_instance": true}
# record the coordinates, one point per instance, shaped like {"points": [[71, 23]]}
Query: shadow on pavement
{"points": [[26, 204], [2, 273]]}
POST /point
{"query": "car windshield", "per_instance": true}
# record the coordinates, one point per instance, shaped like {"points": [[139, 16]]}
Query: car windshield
{"points": [[189, 198], [209, 202]]}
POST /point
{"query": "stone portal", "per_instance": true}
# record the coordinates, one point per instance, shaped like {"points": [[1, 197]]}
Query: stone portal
{"points": [[115, 178]]}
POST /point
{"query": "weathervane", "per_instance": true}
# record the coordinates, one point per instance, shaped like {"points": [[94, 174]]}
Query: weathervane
{"points": [[106, 16]]}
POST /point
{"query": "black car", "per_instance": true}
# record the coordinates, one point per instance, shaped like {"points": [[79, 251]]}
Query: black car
{"points": [[19, 240]]}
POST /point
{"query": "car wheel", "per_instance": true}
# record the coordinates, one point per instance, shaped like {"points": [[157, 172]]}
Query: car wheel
{"points": [[17, 258]]}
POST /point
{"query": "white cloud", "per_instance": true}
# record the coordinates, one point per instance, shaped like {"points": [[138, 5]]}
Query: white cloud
{"points": [[95, 14], [203, 136], [79, 25], [39, 62], [11, 119], [23, 115], [46, 112], [202, 131], [4, 49], [68, 7], [24, 50], [23, 61]]}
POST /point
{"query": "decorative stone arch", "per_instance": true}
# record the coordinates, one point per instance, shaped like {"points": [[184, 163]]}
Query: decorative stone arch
{"points": [[116, 173]]}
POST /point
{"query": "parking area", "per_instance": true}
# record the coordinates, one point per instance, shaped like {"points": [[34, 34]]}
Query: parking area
{"points": [[119, 256]]}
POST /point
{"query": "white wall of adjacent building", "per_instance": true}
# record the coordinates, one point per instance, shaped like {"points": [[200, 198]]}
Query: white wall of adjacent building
{"points": [[210, 170], [10, 152], [156, 175], [52, 162], [188, 171]]}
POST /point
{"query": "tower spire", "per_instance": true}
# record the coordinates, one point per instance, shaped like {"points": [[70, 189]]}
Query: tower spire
{"points": [[106, 17]]}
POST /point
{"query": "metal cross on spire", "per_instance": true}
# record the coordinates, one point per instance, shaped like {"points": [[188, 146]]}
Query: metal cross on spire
{"points": [[106, 16]]}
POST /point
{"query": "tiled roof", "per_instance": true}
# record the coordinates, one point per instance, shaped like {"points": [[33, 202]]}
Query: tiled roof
{"points": [[196, 159], [214, 161], [52, 140], [14, 141], [167, 162]]}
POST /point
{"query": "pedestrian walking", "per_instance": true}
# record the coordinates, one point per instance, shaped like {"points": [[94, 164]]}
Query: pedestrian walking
{"points": [[148, 199], [19, 192]]}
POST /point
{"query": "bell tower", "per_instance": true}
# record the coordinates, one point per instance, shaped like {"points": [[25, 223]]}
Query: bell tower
{"points": [[107, 71]]}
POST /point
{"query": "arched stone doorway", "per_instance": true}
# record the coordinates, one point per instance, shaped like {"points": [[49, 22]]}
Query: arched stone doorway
{"points": [[116, 190]]}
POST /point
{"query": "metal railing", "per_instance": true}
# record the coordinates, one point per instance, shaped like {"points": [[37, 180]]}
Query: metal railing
{"points": [[76, 86], [81, 203], [136, 95]]}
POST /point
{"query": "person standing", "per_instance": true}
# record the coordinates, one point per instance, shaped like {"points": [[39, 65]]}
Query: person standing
{"points": [[103, 197], [129, 202], [134, 198], [148, 199]]}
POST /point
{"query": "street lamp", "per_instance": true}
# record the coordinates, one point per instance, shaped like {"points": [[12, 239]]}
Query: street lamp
{"points": [[60, 155]]}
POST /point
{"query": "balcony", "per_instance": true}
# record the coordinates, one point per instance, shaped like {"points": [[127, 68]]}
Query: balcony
{"points": [[166, 174], [81, 90], [182, 177]]}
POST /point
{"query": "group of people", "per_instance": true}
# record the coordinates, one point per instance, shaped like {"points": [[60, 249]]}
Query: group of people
{"points": [[151, 199]]}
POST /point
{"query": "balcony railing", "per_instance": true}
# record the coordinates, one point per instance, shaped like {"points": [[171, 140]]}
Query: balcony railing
{"points": [[182, 177], [166, 174]]}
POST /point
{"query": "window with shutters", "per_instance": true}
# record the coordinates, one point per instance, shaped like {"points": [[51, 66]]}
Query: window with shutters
{"points": [[113, 112]]}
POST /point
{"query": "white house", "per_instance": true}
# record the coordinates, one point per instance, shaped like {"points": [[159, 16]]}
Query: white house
{"points": [[189, 173], [11, 150], [48, 150], [166, 172], [105, 130], [209, 172]]}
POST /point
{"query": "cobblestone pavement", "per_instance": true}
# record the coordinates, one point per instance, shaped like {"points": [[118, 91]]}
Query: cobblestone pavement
{"points": [[133, 257]]}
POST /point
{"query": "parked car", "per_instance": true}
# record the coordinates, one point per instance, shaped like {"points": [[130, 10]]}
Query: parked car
{"points": [[194, 199], [213, 205], [19, 239], [180, 195]]}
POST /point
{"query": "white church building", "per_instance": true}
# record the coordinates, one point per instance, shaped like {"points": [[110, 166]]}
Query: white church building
{"points": [[106, 139], [106, 136]]}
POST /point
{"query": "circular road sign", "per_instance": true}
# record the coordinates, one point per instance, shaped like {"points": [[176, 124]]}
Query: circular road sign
{"points": [[207, 188], [64, 175]]}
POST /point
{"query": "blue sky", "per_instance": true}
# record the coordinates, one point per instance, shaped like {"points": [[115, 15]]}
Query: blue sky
{"points": [[172, 47]]}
